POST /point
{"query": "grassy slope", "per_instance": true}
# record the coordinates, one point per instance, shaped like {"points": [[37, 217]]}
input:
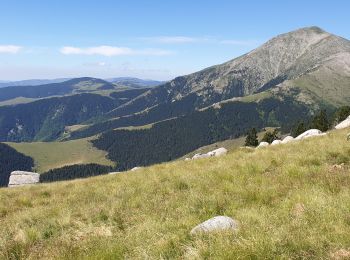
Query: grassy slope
{"points": [[50, 155], [289, 200]]}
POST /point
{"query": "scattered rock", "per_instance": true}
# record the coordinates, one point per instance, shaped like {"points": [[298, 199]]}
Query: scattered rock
{"points": [[263, 144], [288, 139], [309, 133], [276, 142], [135, 169], [187, 159], [219, 223], [20, 178], [112, 173], [218, 152], [344, 124]]}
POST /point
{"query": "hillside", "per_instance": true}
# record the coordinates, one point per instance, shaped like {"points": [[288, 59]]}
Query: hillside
{"points": [[51, 155], [291, 201]]}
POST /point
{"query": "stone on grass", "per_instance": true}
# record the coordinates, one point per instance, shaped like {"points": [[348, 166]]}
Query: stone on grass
{"points": [[218, 152], [20, 178], [219, 223], [287, 139], [309, 133], [343, 124], [200, 156], [263, 144], [276, 142], [135, 169]]}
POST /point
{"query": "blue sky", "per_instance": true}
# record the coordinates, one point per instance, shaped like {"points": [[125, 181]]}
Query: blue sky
{"points": [[156, 39]]}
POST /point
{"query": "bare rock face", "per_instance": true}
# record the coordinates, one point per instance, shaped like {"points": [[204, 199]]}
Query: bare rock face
{"points": [[20, 178], [310, 133], [344, 124], [263, 144], [219, 223]]}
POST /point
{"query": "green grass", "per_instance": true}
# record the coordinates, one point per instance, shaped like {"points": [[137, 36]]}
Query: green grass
{"points": [[18, 100], [50, 155], [290, 201]]}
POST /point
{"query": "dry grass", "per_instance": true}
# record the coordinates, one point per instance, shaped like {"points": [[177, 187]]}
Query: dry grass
{"points": [[290, 200]]}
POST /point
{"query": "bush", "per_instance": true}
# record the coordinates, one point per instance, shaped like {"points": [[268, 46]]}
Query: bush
{"points": [[252, 138], [270, 136]]}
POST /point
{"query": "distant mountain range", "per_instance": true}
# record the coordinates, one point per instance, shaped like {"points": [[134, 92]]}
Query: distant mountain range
{"points": [[285, 80], [31, 82]]}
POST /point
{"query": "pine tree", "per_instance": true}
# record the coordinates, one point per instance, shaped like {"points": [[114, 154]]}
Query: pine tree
{"points": [[298, 129], [341, 114], [270, 136], [320, 121], [252, 138]]}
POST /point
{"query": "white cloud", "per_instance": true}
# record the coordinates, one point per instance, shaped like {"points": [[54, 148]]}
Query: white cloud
{"points": [[110, 51], [11, 49]]}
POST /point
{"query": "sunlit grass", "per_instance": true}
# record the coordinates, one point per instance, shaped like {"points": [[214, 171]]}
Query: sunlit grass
{"points": [[290, 200]]}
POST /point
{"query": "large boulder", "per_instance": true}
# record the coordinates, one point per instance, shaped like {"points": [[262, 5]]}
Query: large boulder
{"points": [[219, 223], [287, 139], [20, 178], [276, 142], [344, 124], [263, 144], [200, 156], [218, 152], [309, 133]]}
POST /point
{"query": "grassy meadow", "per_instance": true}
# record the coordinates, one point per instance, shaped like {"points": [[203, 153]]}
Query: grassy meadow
{"points": [[292, 202], [51, 155]]}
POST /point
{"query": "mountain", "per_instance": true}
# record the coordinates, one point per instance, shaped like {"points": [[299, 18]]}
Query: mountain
{"points": [[135, 82], [31, 82], [309, 59], [72, 86]]}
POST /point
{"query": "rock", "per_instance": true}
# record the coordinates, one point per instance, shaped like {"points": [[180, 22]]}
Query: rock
{"points": [[263, 144], [20, 178], [287, 139], [112, 173], [219, 223], [218, 152], [276, 142], [200, 156], [343, 124], [135, 169], [187, 159], [309, 133]]}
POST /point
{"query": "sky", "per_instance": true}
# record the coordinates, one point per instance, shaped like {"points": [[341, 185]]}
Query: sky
{"points": [[151, 39]]}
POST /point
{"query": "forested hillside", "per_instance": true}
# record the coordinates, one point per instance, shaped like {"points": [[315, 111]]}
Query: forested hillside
{"points": [[171, 139], [11, 160]]}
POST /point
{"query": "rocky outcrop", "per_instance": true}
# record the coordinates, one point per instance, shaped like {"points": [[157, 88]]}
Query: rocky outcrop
{"points": [[343, 124], [217, 152], [219, 223], [21, 178]]}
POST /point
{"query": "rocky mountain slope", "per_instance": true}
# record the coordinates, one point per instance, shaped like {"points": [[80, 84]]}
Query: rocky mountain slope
{"points": [[300, 59]]}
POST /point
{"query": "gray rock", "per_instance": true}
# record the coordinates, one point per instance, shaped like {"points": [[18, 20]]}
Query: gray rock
{"points": [[135, 169], [263, 144], [112, 173], [200, 156], [309, 133], [288, 139], [276, 142], [219, 223], [20, 178], [344, 124], [218, 152]]}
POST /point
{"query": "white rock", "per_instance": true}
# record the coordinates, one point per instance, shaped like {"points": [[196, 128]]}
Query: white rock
{"points": [[135, 169], [276, 142], [20, 178], [263, 144], [287, 139], [112, 173], [309, 133], [218, 152], [219, 223], [344, 124], [187, 159], [200, 155]]}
